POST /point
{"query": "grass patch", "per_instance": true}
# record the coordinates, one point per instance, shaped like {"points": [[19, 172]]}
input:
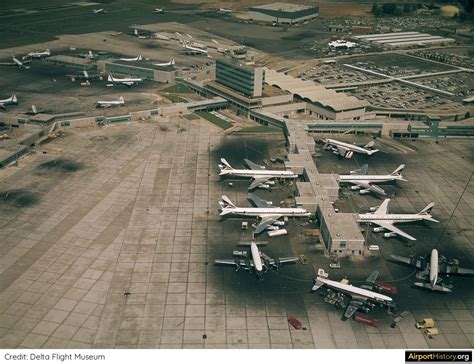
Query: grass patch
{"points": [[215, 120], [260, 129], [178, 88]]}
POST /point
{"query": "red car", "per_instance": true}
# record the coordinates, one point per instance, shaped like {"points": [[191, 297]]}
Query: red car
{"points": [[293, 321]]}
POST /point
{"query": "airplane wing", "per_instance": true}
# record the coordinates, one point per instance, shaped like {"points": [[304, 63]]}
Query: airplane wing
{"points": [[465, 271], [266, 222], [401, 259], [388, 225], [287, 260], [371, 187], [351, 309], [258, 202], [231, 262], [362, 171], [383, 208], [434, 288], [258, 181], [253, 165], [341, 150], [373, 277]]}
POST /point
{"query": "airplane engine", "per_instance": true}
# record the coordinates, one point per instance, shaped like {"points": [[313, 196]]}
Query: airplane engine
{"points": [[389, 235], [364, 192], [378, 229], [279, 223], [373, 208], [349, 154], [355, 188], [273, 228], [271, 183], [264, 186]]}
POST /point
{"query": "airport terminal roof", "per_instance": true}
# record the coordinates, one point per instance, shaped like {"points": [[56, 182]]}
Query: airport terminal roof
{"points": [[313, 93]]}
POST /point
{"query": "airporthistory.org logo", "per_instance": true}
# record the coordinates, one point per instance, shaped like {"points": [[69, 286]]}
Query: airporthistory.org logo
{"points": [[452, 356]]}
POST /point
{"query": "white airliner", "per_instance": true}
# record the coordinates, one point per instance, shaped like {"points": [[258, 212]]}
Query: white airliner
{"points": [[136, 59], [10, 101], [37, 55], [346, 149], [382, 218], [257, 263], [193, 50], [16, 62], [127, 81], [430, 265], [170, 63], [365, 183], [269, 215], [98, 11], [107, 104], [159, 10], [362, 298], [261, 177]]}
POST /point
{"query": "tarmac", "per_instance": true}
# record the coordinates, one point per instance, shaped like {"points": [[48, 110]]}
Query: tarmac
{"points": [[108, 241]]}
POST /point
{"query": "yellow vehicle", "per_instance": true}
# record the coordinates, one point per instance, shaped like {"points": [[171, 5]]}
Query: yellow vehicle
{"points": [[431, 332], [426, 323]]}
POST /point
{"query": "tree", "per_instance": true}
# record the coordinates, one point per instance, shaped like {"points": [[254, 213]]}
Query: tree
{"points": [[407, 8], [389, 8], [376, 10]]}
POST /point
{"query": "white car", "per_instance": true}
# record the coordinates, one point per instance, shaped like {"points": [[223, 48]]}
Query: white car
{"points": [[374, 247]]}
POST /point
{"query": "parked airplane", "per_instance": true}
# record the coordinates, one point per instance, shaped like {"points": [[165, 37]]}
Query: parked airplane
{"points": [[107, 104], [37, 55], [258, 263], [88, 55], [361, 298], [385, 221], [16, 62], [166, 64], [346, 149], [430, 266], [261, 177], [268, 214], [12, 100], [193, 50], [136, 59], [98, 11], [365, 183], [127, 81], [159, 10], [32, 111]]}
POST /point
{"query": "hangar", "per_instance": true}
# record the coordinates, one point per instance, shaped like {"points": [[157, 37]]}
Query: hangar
{"points": [[283, 13]]}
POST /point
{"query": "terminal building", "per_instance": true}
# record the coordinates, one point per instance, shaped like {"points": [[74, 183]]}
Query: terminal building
{"points": [[240, 77], [283, 13]]}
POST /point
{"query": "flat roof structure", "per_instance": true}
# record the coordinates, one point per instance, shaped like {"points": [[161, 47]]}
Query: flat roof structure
{"points": [[283, 12], [403, 39], [285, 7], [313, 93]]}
